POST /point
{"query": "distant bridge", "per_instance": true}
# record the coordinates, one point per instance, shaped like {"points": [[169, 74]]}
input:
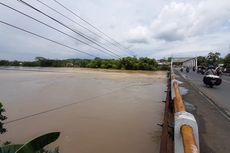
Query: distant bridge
{"points": [[186, 61]]}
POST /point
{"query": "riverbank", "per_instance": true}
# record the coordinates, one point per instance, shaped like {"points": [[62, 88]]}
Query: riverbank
{"points": [[75, 69]]}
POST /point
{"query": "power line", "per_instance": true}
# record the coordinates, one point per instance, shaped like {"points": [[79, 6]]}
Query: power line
{"points": [[68, 105], [67, 27], [16, 27], [77, 24], [55, 10], [86, 22], [52, 27]]}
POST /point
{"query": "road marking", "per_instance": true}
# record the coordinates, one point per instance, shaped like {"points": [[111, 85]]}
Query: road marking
{"points": [[226, 81], [223, 112], [219, 109]]}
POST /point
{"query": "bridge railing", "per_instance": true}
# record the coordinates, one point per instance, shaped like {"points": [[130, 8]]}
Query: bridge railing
{"points": [[186, 138]]}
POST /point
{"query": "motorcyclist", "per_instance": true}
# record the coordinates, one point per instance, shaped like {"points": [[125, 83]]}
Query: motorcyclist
{"points": [[187, 69], [194, 68], [210, 71], [211, 77], [218, 71]]}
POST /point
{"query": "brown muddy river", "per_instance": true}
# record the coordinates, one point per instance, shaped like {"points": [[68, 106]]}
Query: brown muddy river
{"points": [[96, 111]]}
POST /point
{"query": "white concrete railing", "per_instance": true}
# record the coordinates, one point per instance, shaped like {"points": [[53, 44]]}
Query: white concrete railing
{"points": [[186, 137]]}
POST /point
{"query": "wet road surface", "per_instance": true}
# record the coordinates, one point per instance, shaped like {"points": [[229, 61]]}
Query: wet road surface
{"points": [[218, 94], [212, 123]]}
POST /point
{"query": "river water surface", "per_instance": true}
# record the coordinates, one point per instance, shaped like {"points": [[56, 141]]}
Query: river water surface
{"points": [[96, 111]]}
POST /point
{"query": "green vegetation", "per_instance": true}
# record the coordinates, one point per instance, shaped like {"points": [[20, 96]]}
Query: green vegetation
{"points": [[227, 61], [201, 60], [34, 146], [2, 118], [126, 63], [214, 59]]}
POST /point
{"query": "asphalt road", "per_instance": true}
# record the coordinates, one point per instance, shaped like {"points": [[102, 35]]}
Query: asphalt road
{"points": [[219, 95], [213, 123]]}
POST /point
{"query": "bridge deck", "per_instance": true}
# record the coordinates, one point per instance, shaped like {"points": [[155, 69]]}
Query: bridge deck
{"points": [[213, 124]]}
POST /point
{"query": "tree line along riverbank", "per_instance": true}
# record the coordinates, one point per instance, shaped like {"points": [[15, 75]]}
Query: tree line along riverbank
{"points": [[126, 63]]}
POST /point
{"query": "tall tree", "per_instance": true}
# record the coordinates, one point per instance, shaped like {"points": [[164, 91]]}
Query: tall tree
{"points": [[213, 58], [227, 61], [201, 60]]}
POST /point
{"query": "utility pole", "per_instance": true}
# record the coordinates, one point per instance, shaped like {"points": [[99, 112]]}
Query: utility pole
{"points": [[171, 62], [229, 48], [196, 62]]}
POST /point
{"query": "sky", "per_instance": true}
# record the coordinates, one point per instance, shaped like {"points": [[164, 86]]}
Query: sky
{"points": [[150, 28]]}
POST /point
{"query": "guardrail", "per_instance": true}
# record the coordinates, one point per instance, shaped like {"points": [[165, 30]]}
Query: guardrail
{"points": [[167, 136], [179, 128], [186, 138]]}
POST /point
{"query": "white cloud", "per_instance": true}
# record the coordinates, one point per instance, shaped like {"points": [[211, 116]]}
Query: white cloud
{"points": [[189, 28], [154, 28], [173, 22], [180, 20], [210, 16], [139, 34]]}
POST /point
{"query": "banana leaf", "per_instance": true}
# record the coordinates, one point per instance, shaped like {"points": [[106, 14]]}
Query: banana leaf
{"points": [[38, 143]]}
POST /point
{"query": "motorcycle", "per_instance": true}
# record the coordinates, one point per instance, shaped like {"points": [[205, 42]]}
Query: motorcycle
{"points": [[201, 70], [194, 68], [187, 69], [211, 79]]}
